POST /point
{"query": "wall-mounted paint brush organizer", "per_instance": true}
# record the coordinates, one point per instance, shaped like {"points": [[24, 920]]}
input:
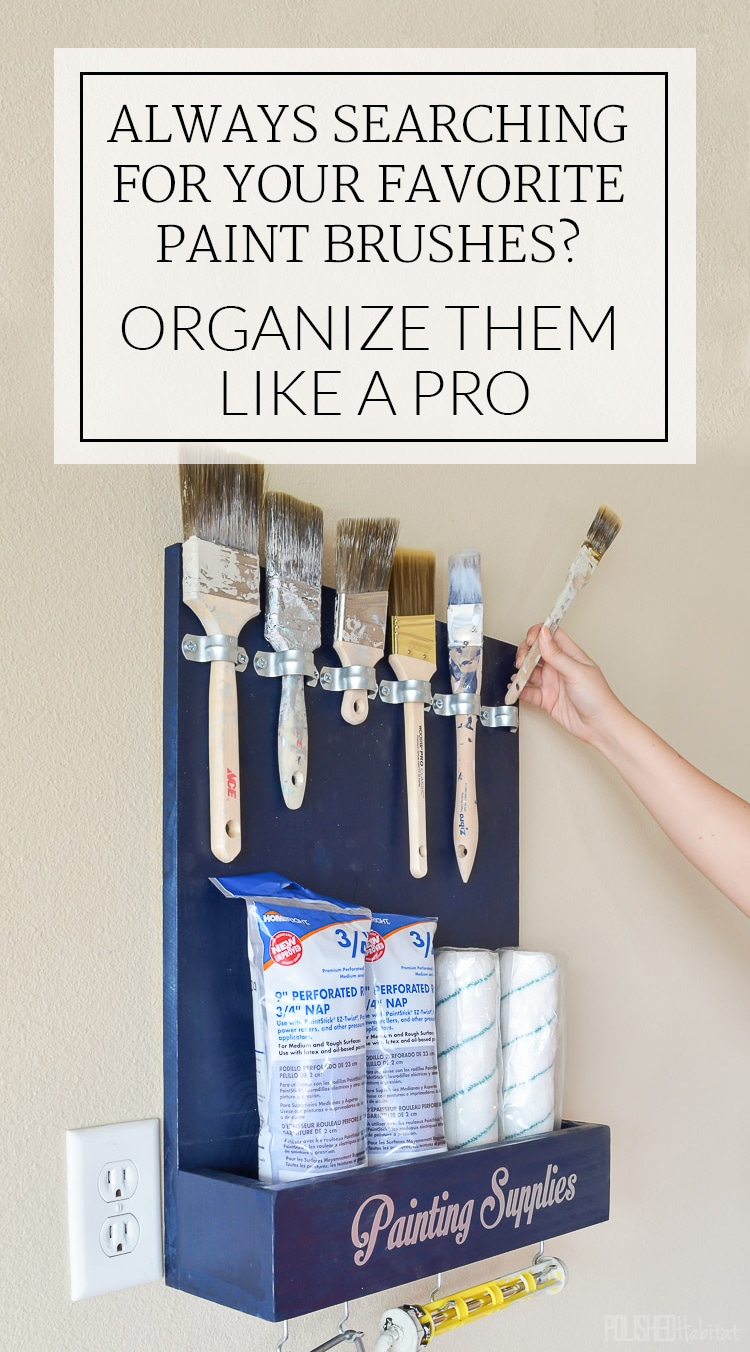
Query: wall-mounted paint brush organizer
{"points": [[281, 1250]]}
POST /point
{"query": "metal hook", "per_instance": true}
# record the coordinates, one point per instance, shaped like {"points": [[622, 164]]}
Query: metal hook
{"points": [[284, 1336], [539, 1255], [345, 1319], [436, 1288]]}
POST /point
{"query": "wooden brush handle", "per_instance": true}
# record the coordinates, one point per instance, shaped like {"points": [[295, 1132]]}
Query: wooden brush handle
{"points": [[224, 762], [293, 740], [414, 669], [355, 704], [466, 816], [415, 788], [521, 677]]}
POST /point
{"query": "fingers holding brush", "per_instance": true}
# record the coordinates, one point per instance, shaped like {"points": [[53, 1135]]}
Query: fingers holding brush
{"points": [[567, 684]]}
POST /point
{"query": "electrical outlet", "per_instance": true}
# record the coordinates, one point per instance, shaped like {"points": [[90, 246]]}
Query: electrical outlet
{"points": [[113, 1246]]}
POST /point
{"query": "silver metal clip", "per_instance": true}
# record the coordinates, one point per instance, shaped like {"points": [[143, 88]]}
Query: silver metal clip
{"points": [[350, 678], [406, 692], [500, 716], [214, 648], [291, 662], [459, 705]]}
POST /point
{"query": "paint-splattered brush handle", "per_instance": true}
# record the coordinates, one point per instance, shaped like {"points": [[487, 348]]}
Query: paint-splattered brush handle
{"points": [[466, 678], [224, 762], [580, 571], [293, 740]]}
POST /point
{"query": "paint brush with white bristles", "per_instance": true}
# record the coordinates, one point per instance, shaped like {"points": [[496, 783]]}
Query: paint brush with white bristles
{"points": [[602, 531], [364, 557], [414, 658], [221, 513], [465, 638], [294, 562]]}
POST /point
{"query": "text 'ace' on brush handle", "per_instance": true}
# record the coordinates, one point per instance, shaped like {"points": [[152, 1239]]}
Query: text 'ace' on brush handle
{"points": [[293, 740], [224, 762]]}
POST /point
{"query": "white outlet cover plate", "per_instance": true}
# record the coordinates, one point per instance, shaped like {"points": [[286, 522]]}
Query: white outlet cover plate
{"points": [[92, 1271]]}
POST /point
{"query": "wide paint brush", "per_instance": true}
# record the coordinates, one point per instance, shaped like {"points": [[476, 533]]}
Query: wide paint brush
{"points": [[414, 657], [364, 557], [221, 512], [294, 561], [465, 637], [602, 531]]}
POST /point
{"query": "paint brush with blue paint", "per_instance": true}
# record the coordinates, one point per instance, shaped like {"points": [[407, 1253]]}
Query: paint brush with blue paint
{"points": [[294, 563], [465, 638]]}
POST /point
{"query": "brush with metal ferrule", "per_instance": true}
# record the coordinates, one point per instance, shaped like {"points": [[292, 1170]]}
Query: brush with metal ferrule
{"points": [[465, 638], [601, 533], [294, 562], [414, 657], [364, 558], [221, 512]]}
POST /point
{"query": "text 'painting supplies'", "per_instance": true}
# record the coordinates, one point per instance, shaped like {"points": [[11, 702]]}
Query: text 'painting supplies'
{"points": [[294, 561], [465, 637], [409, 1327], [601, 533], [531, 1031], [307, 963], [467, 1016], [413, 658], [404, 1116], [364, 558], [221, 513]]}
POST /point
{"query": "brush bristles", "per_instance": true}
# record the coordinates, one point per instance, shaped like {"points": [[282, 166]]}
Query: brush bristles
{"points": [[364, 553], [223, 503], [412, 589], [465, 579], [602, 531], [294, 538]]}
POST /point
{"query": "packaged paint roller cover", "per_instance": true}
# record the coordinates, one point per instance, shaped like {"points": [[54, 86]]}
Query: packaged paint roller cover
{"points": [[404, 1113], [307, 966], [532, 1028]]}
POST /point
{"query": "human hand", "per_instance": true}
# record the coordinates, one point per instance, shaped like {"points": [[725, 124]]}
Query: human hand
{"points": [[568, 685]]}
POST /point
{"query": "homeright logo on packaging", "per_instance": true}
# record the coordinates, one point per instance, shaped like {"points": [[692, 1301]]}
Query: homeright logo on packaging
{"points": [[377, 1225]]}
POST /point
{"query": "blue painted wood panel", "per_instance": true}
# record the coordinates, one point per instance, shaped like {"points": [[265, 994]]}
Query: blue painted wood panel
{"points": [[227, 1237]]}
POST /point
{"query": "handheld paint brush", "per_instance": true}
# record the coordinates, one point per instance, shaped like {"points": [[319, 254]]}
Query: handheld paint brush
{"points": [[602, 531], [465, 638], [221, 511], [294, 561], [364, 558], [414, 658]]}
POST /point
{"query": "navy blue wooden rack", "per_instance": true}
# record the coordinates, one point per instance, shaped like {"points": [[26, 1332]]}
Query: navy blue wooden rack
{"points": [[281, 1250]]}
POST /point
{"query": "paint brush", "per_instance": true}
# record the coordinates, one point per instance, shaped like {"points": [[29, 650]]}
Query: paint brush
{"points": [[465, 637], [414, 657], [221, 512], [602, 531], [294, 561], [364, 557]]}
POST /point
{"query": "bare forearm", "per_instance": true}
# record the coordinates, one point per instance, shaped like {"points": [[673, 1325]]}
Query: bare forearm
{"points": [[710, 825]]}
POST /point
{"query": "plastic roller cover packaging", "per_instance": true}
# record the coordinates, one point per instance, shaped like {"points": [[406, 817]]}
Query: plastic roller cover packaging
{"points": [[404, 1116], [307, 964], [531, 1030], [467, 993]]}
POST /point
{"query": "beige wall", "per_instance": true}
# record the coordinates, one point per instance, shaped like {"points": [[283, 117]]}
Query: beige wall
{"points": [[659, 962]]}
